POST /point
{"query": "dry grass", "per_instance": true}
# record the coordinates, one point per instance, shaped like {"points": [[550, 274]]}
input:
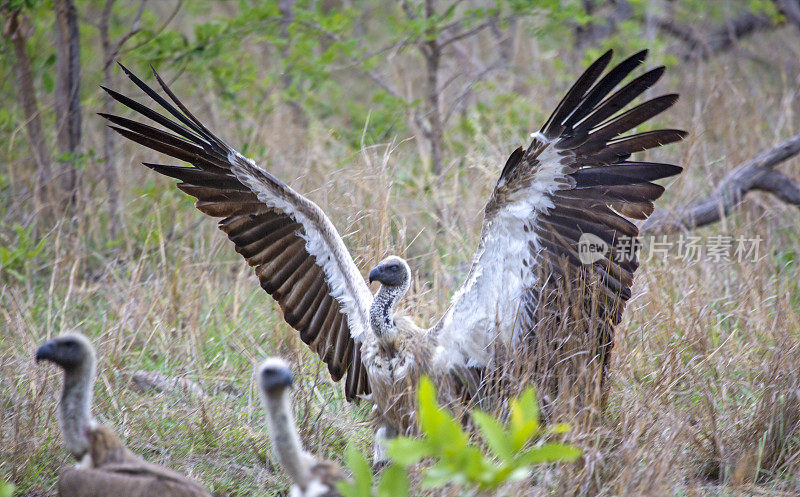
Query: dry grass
{"points": [[705, 384]]}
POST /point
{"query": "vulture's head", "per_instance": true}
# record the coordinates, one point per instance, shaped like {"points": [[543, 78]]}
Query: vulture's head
{"points": [[274, 376], [72, 351], [392, 272]]}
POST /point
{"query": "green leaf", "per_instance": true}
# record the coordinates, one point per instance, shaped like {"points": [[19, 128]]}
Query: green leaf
{"points": [[473, 463], [548, 453], [362, 476], [522, 432], [407, 451], [6, 489], [346, 488], [441, 428], [441, 474], [393, 483], [524, 418], [48, 83], [494, 434], [558, 429], [528, 404]]}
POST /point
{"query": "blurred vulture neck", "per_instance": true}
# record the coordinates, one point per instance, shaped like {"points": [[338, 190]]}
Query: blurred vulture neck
{"points": [[74, 411], [285, 441]]}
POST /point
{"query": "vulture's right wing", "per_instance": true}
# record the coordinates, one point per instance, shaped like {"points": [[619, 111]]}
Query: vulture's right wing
{"points": [[296, 252]]}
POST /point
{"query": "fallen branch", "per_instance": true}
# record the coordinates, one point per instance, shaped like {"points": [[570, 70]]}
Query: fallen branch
{"points": [[720, 39], [755, 174], [145, 381]]}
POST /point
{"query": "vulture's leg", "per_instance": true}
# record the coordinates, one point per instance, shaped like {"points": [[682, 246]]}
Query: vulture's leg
{"points": [[380, 458], [84, 462]]}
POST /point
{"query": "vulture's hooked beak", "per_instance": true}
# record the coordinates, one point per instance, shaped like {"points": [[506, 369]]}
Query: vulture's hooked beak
{"points": [[276, 379], [46, 352], [376, 274]]}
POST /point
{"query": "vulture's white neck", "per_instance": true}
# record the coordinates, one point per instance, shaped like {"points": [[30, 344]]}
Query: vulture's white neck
{"points": [[285, 441], [74, 414], [381, 314]]}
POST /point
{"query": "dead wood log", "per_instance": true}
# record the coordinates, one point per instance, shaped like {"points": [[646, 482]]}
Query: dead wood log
{"points": [[755, 174]]}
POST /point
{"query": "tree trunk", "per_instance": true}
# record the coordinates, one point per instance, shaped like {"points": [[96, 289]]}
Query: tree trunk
{"points": [[67, 104], [109, 173], [435, 133], [27, 96], [432, 53]]}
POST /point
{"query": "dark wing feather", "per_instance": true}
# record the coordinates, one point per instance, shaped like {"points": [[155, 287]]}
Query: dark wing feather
{"points": [[574, 179], [294, 249]]}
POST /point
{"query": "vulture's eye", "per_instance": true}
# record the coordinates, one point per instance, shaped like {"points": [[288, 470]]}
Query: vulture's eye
{"points": [[394, 267]]}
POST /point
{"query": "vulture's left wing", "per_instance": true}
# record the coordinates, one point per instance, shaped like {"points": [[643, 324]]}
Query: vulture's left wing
{"points": [[296, 252], [571, 190]]}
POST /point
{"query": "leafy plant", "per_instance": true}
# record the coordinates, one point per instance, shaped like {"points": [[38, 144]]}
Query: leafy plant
{"points": [[14, 255], [392, 483], [6, 489], [515, 448]]}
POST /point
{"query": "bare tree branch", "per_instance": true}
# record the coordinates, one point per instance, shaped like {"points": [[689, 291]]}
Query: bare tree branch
{"points": [[700, 43], [504, 39], [110, 53], [375, 77], [601, 27], [467, 90], [408, 10], [286, 8], [754, 174], [432, 52], [389, 47], [157, 32], [682, 33], [465, 34], [721, 39], [780, 185]]}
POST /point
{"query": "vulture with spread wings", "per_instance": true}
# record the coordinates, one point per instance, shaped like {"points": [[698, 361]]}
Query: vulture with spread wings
{"points": [[551, 275]]}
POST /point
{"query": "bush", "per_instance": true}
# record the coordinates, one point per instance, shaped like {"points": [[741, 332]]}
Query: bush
{"points": [[515, 448]]}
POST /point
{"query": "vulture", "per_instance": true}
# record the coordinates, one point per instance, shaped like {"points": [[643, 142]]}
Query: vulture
{"points": [[311, 478], [531, 305], [106, 468]]}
